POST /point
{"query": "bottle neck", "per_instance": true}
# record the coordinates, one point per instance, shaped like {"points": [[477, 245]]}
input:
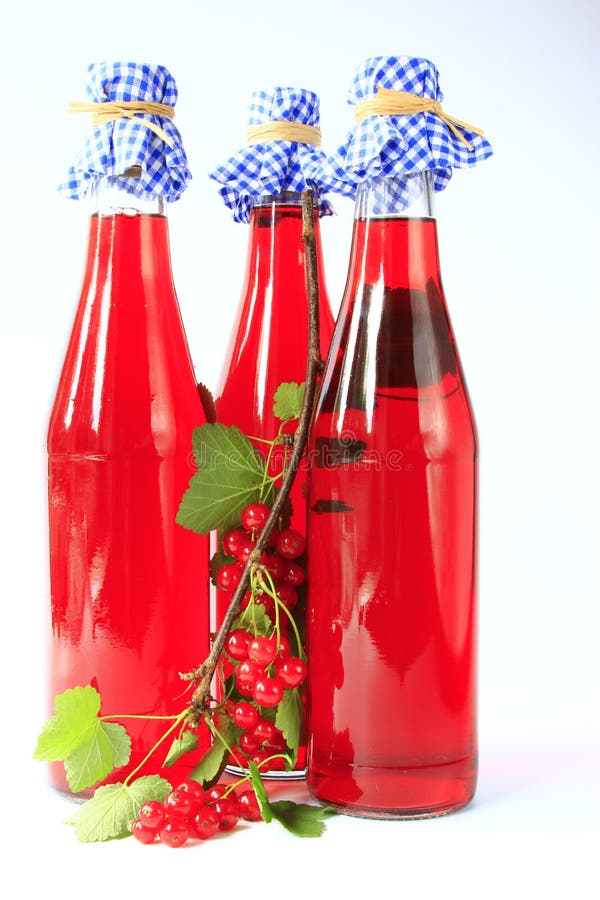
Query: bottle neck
{"points": [[128, 243], [394, 240], [275, 267]]}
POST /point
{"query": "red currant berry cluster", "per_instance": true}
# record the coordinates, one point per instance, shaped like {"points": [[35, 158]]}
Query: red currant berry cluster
{"points": [[189, 812], [259, 666]]}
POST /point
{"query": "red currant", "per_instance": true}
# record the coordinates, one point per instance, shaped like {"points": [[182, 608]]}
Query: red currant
{"points": [[290, 544], [175, 830], [229, 576], [262, 650], [284, 647], [264, 731], [233, 540], [267, 691], [237, 644], [228, 813], [142, 833], [245, 549], [259, 758], [276, 566], [204, 823], [248, 806], [191, 787], [246, 676], [255, 516], [291, 671], [277, 744], [287, 595], [248, 743], [245, 715], [152, 814], [179, 802], [217, 791], [294, 574]]}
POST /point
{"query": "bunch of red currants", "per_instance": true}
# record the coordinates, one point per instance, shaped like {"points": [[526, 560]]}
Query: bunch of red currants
{"points": [[189, 812], [263, 666]]}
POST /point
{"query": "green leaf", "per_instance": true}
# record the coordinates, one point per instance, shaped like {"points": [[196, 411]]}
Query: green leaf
{"points": [[89, 747], [112, 810], [301, 819], [287, 403], [107, 746], [254, 617], [229, 477], [180, 746], [289, 717], [260, 791], [212, 764]]}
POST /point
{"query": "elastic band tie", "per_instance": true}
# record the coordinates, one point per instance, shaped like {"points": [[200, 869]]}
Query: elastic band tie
{"points": [[387, 102], [111, 111], [284, 130]]}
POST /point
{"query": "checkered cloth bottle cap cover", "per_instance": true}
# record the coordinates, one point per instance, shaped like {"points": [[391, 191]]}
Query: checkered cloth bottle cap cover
{"points": [[401, 128], [132, 110], [281, 154]]}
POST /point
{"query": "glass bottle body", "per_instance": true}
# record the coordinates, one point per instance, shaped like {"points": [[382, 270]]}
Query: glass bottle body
{"points": [[129, 587], [392, 536], [269, 346]]}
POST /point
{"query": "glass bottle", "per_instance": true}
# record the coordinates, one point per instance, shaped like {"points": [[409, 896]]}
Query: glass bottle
{"points": [[129, 586], [269, 343], [392, 531]]}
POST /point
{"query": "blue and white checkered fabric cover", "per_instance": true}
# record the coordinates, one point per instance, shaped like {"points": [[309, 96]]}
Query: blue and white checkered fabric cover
{"points": [[259, 170], [399, 145], [111, 148]]}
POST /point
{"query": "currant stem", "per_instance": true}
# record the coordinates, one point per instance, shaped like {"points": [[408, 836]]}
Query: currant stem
{"points": [[178, 721], [314, 368]]}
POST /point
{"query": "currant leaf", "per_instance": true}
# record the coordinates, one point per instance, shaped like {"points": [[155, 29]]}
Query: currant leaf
{"points": [[288, 399], [289, 717], [254, 618], [112, 810], [260, 791], [301, 819], [209, 769], [230, 476], [180, 746], [89, 747]]}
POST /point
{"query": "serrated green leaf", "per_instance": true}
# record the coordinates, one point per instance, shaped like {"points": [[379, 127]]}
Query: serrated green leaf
{"points": [[288, 399], [229, 477], [212, 764], [74, 710], [260, 791], [254, 618], [112, 810], [289, 717], [180, 746], [106, 747], [89, 747], [301, 819]]}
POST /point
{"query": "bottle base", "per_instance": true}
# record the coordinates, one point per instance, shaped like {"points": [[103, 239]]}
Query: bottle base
{"points": [[415, 792], [273, 775]]}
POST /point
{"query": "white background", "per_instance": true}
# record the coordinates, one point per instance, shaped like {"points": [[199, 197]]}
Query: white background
{"points": [[519, 251]]}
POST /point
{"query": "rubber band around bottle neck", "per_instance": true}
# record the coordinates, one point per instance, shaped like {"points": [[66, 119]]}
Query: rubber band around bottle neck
{"points": [[283, 130], [387, 102], [111, 111]]}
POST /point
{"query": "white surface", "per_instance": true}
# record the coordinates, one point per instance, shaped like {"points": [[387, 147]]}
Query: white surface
{"points": [[519, 240]]}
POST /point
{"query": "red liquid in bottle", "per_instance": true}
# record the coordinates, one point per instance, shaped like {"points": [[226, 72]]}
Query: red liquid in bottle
{"points": [[129, 586], [269, 344], [391, 558]]}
